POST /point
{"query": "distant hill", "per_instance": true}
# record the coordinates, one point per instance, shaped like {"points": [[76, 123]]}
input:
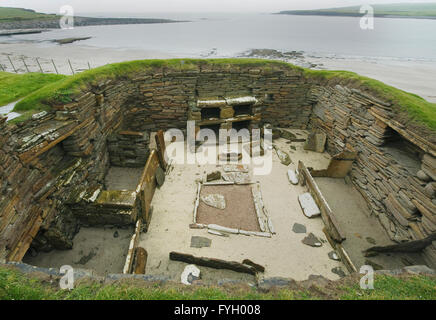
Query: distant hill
{"points": [[19, 18], [395, 10]]}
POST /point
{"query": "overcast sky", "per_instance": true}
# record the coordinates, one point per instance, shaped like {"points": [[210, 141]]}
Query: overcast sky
{"points": [[136, 6]]}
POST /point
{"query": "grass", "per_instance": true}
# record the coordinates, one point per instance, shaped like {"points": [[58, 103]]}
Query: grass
{"points": [[15, 86], [396, 9], [17, 14], [16, 286], [418, 109]]}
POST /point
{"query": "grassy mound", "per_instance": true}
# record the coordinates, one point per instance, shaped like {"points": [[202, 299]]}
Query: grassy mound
{"points": [[16, 286], [419, 111], [15, 86]]}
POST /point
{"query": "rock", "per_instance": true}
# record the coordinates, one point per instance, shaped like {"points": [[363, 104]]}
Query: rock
{"points": [[256, 266], [215, 200], [421, 269], [213, 176], [190, 274], [371, 240], [293, 177], [237, 177], [283, 157], [423, 176], [334, 256], [374, 265], [288, 135], [316, 142], [160, 177], [217, 233], [116, 234], [339, 272], [308, 205], [312, 240], [430, 191], [200, 242], [299, 228]]}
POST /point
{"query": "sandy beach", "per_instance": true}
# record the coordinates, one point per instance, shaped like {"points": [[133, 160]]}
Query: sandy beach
{"points": [[410, 75]]}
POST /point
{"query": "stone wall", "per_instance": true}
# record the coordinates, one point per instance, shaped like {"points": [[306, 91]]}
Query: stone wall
{"points": [[395, 169], [52, 164]]}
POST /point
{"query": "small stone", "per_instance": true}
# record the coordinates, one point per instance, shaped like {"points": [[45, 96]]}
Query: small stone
{"points": [[190, 274], [339, 272], [215, 200], [309, 206], [423, 176], [293, 177], [283, 157], [116, 234], [375, 266], [160, 177], [299, 228], [371, 240], [200, 242], [312, 240], [430, 191], [213, 176], [334, 256]]}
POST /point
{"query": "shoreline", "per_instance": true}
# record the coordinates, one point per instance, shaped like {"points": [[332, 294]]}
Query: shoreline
{"points": [[415, 76], [352, 15], [46, 24]]}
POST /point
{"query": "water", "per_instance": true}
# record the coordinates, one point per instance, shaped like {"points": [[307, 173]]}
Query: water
{"points": [[231, 34]]}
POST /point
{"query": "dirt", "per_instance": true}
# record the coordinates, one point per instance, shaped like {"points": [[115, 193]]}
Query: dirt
{"points": [[94, 248], [239, 212], [282, 255], [119, 178]]}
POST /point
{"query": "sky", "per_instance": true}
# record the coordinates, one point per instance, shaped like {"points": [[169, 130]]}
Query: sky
{"points": [[267, 6]]}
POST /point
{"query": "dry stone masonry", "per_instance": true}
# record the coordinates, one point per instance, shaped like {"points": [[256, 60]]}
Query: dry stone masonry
{"points": [[52, 167]]}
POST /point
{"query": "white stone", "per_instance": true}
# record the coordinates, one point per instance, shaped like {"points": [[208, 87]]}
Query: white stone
{"points": [[215, 200], [292, 176], [308, 205], [190, 270]]}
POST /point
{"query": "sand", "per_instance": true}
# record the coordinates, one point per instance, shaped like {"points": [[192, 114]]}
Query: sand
{"points": [[410, 75], [283, 255], [94, 248]]}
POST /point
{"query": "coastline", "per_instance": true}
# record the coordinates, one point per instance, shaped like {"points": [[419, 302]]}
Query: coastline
{"points": [[413, 76], [343, 14], [79, 22]]}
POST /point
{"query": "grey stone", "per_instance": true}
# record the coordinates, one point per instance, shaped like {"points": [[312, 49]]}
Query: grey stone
{"points": [[283, 157], [339, 272], [373, 264], [371, 240], [190, 274], [213, 176], [160, 177], [215, 200], [421, 269], [299, 228], [200, 242], [316, 142], [334, 256], [423, 176], [309, 206], [312, 240]]}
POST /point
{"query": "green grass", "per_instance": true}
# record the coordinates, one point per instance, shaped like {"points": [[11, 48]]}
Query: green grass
{"points": [[418, 110], [17, 14], [396, 9], [15, 86], [16, 286]]}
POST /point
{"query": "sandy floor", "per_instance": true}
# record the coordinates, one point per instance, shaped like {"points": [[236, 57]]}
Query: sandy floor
{"points": [[94, 248], [239, 212], [119, 178], [359, 226], [282, 255]]}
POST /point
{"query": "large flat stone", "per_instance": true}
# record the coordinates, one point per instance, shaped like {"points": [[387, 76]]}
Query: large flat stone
{"points": [[309, 206]]}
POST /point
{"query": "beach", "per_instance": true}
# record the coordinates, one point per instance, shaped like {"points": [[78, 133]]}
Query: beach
{"points": [[413, 76]]}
